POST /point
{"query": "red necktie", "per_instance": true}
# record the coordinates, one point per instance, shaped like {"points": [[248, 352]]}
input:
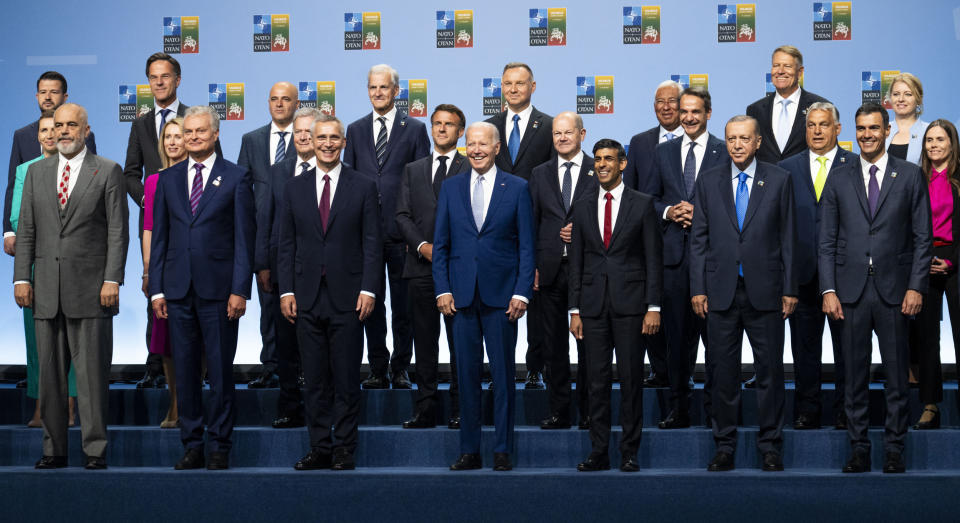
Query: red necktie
{"points": [[607, 220], [64, 185], [325, 202]]}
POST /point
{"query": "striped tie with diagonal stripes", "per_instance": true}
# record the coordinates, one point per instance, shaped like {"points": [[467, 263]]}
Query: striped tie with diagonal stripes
{"points": [[381, 146], [197, 190]]}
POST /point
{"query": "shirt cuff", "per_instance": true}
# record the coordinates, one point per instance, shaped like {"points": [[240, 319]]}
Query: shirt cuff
{"points": [[368, 293], [418, 248], [156, 297], [574, 311], [521, 298], [665, 211], [444, 294], [653, 308], [9, 234], [284, 295], [18, 282], [828, 290]]}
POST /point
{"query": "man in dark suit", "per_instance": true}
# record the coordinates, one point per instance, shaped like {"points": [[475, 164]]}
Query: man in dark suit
{"points": [[201, 262], [640, 160], [379, 145], [876, 245], [780, 114], [289, 402], [329, 265], [675, 169], [416, 210], [483, 271], [51, 94], [260, 149], [615, 280], [555, 186], [809, 171], [525, 142], [742, 273]]}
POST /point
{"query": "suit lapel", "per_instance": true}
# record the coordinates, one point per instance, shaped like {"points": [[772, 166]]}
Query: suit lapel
{"points": [[465, 192], [533, 125], [396, 132], [756, 195], [339, 197], [211, 188], [151, 124], [499, 187], [584, 179], [889, 179], [88, 170], [797, 131], [626, 207], [726, 195], [856, 178], [50, 178], [554, 181], [455, 165], [807, 176]]}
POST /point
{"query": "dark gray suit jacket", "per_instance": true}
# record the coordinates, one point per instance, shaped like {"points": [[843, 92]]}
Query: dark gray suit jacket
{"points": [[535, 148]]}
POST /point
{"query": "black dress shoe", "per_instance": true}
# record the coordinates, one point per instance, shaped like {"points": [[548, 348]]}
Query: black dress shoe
{"points": [[772, 462], [401, 381], [95, 463], [533, 381], [468, 462], [721, 462], [859, 462], [342, 460], [893, 463], [267, 380], [218, 461], [751, 383], [840, 420], [151, 380], [374, 381], [594, 462], [584, 423], [629, 464], [288, 422], [51, 462], [501, 462], [192, 459], [454, 422], [420, 420], [314, 460], [675, 420], [555, 422], [656, 381], [929, 425], [22, 384], [807, 421]]}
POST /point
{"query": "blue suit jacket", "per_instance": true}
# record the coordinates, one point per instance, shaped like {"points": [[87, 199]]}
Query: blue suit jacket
{"points": [[268, 226], [212, 251], [665, 184], [408, 142], [498, 259], [899, 237], [255, 155], [765, 247], [640, 158], [349, 252], [808, 215]]}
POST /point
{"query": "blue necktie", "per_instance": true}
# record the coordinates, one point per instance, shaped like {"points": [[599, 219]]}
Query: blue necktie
{"points": [[477, 202], [669, 136], [514, 144], [566, 188], [381, 146], [783, 126], [690, 171], [743, 197], [163, 120], [281, 148]]}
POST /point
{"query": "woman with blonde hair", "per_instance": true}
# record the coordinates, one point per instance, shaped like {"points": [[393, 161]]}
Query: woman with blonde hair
{"points": [[905, 97]]}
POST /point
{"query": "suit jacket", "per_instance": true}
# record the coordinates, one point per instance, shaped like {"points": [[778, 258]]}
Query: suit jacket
{"points": [[73, 251], [640, 158], [417, 209], [268, 224], [762, 110], [535, 148], [915, 146], [808, 215], [665, 184], [899, 237], [408, 142], [212, 251], [549, 215], [631, 269], [26, 147], [498, 259], [765, 246], [255, 155], [349, 252]]}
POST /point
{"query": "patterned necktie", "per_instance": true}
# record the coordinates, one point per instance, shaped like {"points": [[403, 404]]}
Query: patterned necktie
{"points": [[743, 198], [324, 207], [281, 148], [821, 178], [476, 202], [381, 146], [783, 127], [440, 175], [873, 190], [566, 187], [304, 167], [607, 220], [514, 144], [690, 171], [163, 120], [197, 190], [64, 186]]}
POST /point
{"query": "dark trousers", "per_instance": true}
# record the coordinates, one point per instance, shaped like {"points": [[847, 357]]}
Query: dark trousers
{"points": [[683, 330], [556, 348], [472, 326], [269, 313], [535, 357], [867, 315], [603, 335], [655, 347], [379, 357], [765, 331], [426, 336], [806, 343], [198, 327], [154, 360], [290, 401], [331, 350], [925, 329]]}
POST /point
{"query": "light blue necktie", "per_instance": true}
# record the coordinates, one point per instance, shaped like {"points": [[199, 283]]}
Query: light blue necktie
{"points": [[669, 136], [281, 148], [783, 128], [743, 198], [477, 202], [514, 144]]}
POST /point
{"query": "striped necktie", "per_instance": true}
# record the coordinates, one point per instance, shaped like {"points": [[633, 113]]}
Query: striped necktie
{"points": [[197, 190], [381, 146]]}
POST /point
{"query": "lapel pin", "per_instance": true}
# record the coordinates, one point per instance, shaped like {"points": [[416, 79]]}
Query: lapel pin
{"points": [[760, 183], [95, 172], [536, 124], [893, 174], [843, 159], [403, 123], [216, 183], [590, 172]]}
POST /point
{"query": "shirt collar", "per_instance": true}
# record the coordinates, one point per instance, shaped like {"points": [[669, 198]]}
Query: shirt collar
{"points": [[881, 164], [617, 192], [334, 173], [173, 107], [274, 129], [676, 132], [751, 169], [390, 116], [830, 155], [74, 162], [794, 98], [577, 160], [449, 154], [489, 175], [701, 140], [524, 115], [207, 164], [312, 162]]}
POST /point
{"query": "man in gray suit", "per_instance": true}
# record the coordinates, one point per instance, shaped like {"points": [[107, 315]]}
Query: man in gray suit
{"points": [[75, 242]]}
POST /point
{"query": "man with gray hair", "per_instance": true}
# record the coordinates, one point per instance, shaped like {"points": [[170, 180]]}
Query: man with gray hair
{"points": [[379, 145], [201, 263]]}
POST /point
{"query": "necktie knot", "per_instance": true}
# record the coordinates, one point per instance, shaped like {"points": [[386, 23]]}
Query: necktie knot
{"points": [[282, 134], [516, 118], [304, 166], [199, 168], [567, 165], [326, 177], [822, 160], [670, 136], [873, 170], [382, 120], [608, 196], [743, 177], [785, 102], [164, 113], [442, 160]]}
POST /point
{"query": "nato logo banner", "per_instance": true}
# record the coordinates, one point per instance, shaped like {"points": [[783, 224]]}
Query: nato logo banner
{"points": [[135, 101], [271, 33], [594, 95], [227, 100], [691, 80], [361, 31], [181, 34], [737, 23], [548, 26], [319, 95], [874, 85], [493, 101], [455, 28], [832, 20], [417, 98], [402, 100], [641, 25]]}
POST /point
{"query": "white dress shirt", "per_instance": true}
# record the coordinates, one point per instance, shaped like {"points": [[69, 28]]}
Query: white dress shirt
{"points": [[170, 116], [574, 172], [751, 171], [275, 139], [699, 151], [881, 164], [75, 163], [433, 174], [791, 113], [663, 134], [389, 118], [312, 164], [815, 165], [522, 123]]}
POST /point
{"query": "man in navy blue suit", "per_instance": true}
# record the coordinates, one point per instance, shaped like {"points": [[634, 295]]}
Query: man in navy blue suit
{"points": [[329, 265], [201, 264], [809, 171], [675, 169], [380, 145], [483, 270], [742, 279], [876, 244]]}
